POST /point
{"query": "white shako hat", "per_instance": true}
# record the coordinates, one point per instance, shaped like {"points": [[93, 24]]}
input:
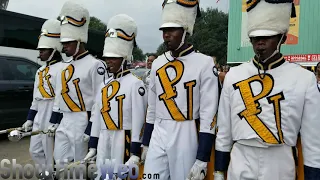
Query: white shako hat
{"points": [[180, 13], [269, 17], [75, 21], [120, 37], [50, 35]]}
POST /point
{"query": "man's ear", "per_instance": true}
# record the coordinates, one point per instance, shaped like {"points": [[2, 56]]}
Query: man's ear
{"points": [[82, 44], [187, 36]]}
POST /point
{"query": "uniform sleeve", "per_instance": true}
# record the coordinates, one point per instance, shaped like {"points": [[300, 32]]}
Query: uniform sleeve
{"points": [[87, 131], [95, 127], [56, 116], [34, 104], [209, 98], [98, 73], [139, 106], [309, 131], [151, 115], [223, 139]]}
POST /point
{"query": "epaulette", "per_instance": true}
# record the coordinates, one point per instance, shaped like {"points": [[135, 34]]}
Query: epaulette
{"points": [[67, 61], [136, 76]]}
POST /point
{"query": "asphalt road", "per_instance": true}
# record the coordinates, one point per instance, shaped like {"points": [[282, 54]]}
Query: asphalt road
{"points": [[15, 150]]}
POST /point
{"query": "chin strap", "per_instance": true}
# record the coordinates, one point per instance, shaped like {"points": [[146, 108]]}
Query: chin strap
{"points": [[120, 70], [121, 67], [274, 53], [182, 39], [52, 54], [77, 49], [265, 60]]}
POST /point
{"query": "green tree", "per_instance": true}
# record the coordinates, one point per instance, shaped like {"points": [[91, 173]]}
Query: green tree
{"points": [[97, 24], [138, 54], [210, 34], [161, 49]]}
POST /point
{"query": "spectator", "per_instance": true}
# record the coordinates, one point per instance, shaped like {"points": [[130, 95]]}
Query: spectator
{"points": [[318, 73], [151, 58], [146, 76]]}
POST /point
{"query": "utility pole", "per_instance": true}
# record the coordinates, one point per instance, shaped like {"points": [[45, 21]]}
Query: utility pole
{"points": [[4, 4]]}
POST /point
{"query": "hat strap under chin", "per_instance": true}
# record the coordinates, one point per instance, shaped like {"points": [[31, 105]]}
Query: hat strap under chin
{"points": [[52, 54], [77, 49], [182, 39], [275, 52], [121, 67]]}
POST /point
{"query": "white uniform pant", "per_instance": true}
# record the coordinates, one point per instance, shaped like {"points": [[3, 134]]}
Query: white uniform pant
{"points": [[172, 149], [69, 142], [113, 145], [258, 163], [41, 145]]}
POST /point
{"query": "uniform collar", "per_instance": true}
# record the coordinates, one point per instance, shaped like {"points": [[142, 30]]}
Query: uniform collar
{"points": [[186, 51], [272, 65], [82, 55], [51, 62], [123, 73]]}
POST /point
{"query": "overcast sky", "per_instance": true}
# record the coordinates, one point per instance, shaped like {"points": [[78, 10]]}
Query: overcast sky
{"points": [[147, 14]]}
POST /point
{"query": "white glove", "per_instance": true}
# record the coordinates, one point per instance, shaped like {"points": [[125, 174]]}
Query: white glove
{"points": [[86, 137], [144, 153], [27, 126], [52, 129], [133, 160], [92, 152], [198, 171], [218, 175], [92, 160]]}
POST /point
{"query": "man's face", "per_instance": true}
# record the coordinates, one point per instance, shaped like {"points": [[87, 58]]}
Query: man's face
{"points": [[113, 63], [44, 54], [69, 48], [150, 60], [265, 45], [172, 37]]}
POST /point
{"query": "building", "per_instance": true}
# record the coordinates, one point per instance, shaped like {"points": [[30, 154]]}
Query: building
{"points": [[303, 42]]}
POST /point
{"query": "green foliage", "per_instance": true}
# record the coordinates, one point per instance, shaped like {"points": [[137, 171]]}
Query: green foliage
{"points": [[97, 24], [138, 54], [210, 34], [161, 49]]}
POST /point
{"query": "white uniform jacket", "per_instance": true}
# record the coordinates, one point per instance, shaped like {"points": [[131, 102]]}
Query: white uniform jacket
{"points": [[45, 85], [120, 105], [184, 88], [79, 82], [271, 108]]}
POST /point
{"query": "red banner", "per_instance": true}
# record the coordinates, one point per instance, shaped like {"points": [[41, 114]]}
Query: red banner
{"points": [[303, 58]]}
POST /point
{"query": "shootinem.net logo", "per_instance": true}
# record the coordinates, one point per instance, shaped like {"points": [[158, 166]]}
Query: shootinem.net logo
{"points": [[13, 170], [110, 169]]}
